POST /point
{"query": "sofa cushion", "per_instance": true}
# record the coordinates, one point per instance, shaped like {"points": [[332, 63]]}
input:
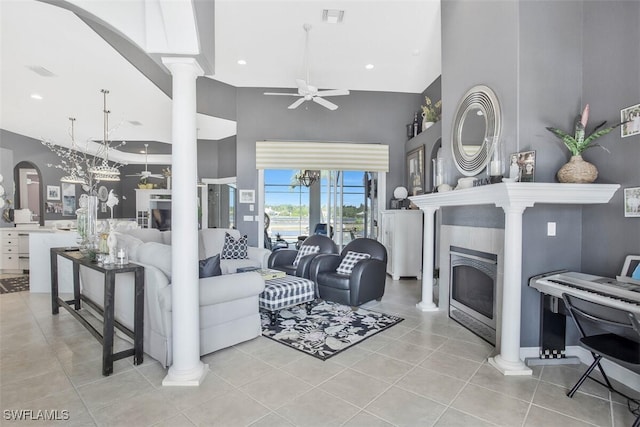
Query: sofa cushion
{"points": [[157, 255], [304, 251], [234, 248], [130, 244], [212, 240], [210, 267], [147, 234], [349, 261]]}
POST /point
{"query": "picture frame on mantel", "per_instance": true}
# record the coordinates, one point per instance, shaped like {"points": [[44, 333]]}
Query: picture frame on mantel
{"points": [[415, 171]]}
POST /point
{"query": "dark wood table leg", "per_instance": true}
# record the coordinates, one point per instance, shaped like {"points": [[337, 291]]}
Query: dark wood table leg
{"points": [[138, 322], [76, 286], [309, 306], [273, 315], [55, 307], [107, 328]]}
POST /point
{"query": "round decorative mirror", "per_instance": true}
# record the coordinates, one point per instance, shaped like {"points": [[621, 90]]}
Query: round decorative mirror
{"points": [[477, 118]]}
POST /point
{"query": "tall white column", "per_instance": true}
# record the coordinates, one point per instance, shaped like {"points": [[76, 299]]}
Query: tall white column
{"points": [[427, 303], [187, 369], [508, 361]]}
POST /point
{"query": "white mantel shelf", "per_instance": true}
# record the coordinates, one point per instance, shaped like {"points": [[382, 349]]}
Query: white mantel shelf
{"points": [[513, 198]]}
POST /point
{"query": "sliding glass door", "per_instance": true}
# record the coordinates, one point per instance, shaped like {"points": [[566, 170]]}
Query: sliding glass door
{"points": [[300, 203]]}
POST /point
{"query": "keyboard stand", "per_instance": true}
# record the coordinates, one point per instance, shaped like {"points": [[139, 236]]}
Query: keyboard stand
{"points": [[553, 322]]}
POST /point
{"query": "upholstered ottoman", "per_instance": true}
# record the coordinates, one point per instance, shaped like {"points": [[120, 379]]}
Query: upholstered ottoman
{"points": [[286, 292]]}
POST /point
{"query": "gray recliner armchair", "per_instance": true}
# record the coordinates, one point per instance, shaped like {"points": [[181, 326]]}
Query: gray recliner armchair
{"points": [[297, 262], [355, 276]]}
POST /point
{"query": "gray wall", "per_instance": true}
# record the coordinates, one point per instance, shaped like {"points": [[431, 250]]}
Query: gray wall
{"points": [[611, 81], [28, 149], [366, 117], [6, 170], [544, 60]]}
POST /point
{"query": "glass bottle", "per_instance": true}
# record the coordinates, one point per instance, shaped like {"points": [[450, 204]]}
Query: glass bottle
{"points": [[416, 125]]}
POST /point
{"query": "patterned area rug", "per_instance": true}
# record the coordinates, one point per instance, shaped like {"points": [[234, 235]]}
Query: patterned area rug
{"points": [[328, 330], [14, 284]]}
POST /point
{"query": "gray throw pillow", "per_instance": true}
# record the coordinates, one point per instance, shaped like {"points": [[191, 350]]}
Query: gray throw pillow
{"points": [[210, 267]]}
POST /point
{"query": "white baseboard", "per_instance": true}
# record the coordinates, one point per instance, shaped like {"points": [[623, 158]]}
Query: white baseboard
{"points": [[615, 372]]}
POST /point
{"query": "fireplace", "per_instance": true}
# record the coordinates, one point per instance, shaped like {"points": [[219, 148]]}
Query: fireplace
{"points": [[472, 290]]}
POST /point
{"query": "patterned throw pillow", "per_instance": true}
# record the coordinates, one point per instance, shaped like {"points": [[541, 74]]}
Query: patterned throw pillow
{"points": [[305, 250], [234, 249], [349, 261]]}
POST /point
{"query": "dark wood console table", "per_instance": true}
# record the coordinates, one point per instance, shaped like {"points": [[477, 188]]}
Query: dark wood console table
{"points": [[109, 323]]}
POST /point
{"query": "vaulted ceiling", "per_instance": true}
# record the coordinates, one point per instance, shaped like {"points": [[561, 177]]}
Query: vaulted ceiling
{"points": [[50, 52]]}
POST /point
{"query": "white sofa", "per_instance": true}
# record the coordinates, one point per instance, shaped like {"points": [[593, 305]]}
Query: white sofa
{"points": [[228, 303]]}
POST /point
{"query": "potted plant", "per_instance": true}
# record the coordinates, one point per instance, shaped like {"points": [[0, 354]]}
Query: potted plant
{"points": [[577, 170], [430, 113]]}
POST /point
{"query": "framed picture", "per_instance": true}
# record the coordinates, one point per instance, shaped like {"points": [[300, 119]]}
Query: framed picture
{"points": [[53, 192], [526, 165], [247, 196], [415, 171], [53, 207], [632, 202], [631, 115], [68, 199]]}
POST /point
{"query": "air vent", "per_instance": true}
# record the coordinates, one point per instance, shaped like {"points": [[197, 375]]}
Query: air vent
{"points": [[332, 16], [135, 123], [41, 71]]}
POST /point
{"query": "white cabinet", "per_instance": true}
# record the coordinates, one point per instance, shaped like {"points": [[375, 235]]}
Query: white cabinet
{"points": [[146, 200], [402, 236], [14, 250], [9, 250]]}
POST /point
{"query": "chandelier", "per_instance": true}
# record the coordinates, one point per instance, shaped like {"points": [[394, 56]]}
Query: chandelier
{"points": [[84, 169], [102, 170], [307, 177]]}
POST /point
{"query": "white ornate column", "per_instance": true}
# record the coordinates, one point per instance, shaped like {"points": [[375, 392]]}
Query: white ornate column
{"points": [[186, 369], [427, 303], [508, 361]]}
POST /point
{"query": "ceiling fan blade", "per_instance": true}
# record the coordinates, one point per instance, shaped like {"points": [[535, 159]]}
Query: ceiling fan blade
{"points": [[296, 104], [325, 103], [135, 174], [334, 92], [282, 93]]}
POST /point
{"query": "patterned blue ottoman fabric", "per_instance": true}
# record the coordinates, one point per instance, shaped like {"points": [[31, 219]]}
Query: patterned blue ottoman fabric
{"points": [[286, 292]]}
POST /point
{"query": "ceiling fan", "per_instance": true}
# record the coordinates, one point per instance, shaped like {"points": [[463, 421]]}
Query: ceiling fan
{"points": [[307, 92], [146, 173]]}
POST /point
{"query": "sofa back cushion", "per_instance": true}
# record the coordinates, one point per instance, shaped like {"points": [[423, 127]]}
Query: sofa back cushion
{"points": [[157, 255], [212, 240], [129, 244], [147, 234]]}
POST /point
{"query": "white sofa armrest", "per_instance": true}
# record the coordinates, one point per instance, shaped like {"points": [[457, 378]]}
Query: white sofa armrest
{"points": [[220, 289], [259, 254]]}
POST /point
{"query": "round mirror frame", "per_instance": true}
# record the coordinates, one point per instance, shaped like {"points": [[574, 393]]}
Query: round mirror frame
{"points": [[483, 98]]}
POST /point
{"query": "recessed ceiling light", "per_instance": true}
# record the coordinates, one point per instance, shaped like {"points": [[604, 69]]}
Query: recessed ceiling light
{"points": [[369, 66], [40, 70], [142, 152], [242, 62], [36, 96], [332, 16]]}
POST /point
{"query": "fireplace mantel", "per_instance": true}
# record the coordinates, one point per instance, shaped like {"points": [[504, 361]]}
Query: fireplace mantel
{"points": [[513, 198]]}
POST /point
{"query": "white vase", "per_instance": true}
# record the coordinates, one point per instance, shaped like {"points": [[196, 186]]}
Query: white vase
{"points": [[426, 124]]}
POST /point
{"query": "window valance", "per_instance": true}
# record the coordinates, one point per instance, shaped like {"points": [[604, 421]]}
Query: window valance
{"points": [[322, 156]]}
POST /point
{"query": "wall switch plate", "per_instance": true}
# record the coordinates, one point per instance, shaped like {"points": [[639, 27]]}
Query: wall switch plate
{"points": [[247, 218], [551, 229], [251, 208]]}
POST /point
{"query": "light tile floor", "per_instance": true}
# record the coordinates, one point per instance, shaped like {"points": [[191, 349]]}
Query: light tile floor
{"points": [[426, 371]]}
